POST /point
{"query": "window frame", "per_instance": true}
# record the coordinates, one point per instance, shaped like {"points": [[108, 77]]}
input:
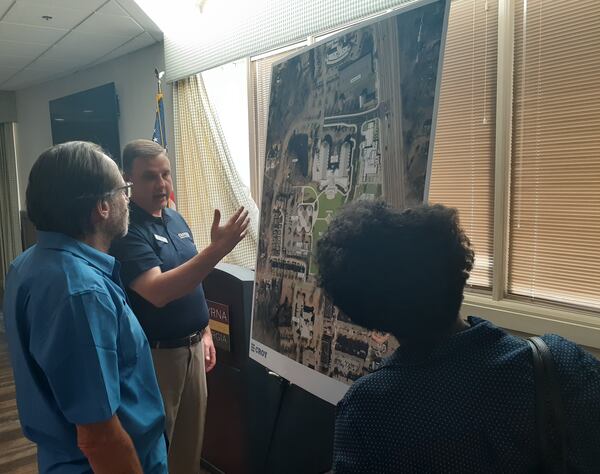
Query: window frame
{"points": [[511, 312]]}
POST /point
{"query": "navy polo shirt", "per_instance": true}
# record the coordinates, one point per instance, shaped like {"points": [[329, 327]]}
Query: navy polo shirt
{"points": [[164, 242], [79, 355]]}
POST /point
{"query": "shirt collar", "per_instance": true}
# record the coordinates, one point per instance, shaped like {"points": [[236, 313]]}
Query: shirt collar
{"points": [[140, 215], [57, 241], [480, 334]]}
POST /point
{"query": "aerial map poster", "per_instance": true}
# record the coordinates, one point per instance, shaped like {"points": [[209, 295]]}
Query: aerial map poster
{"points": [[350, 118]]}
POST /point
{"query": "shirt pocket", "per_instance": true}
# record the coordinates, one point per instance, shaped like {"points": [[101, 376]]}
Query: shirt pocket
{"points": [[186, 248], [167, 253], [131, 339]]}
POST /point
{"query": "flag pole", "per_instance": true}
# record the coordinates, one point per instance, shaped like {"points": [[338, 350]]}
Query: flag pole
{"points": [[159, 126], [158, 81]]}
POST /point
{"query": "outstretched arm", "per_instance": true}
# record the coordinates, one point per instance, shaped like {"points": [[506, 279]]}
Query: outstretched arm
{"points": [[160, 288]]}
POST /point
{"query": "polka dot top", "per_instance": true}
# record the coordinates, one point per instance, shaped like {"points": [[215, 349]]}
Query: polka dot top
{"points": [[465, 407]]}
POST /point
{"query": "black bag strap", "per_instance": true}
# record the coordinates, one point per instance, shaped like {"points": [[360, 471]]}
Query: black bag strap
{"points": [[550, 415]]}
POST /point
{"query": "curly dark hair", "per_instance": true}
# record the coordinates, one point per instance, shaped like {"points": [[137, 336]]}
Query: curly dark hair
{"points": [[401, 272]]}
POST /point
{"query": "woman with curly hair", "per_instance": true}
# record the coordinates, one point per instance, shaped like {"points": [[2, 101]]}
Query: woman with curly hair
{"points": [[457, 396]]}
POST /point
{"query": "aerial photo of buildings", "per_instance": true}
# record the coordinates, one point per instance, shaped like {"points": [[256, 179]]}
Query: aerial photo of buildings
{"points": [[349, 119]]}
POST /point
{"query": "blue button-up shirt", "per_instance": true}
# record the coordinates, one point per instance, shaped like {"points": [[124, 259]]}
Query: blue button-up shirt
{"points": [[79, 354], [468, 406]]}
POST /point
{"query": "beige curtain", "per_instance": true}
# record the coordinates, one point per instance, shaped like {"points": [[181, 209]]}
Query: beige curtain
{"points": [[10, 229], [206, 175]]}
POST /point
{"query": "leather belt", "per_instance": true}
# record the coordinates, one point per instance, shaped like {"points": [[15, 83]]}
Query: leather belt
{"points": [[186, 341]]}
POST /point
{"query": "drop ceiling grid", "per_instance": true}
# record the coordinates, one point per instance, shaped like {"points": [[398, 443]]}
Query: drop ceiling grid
{"points": [[79, 34]]}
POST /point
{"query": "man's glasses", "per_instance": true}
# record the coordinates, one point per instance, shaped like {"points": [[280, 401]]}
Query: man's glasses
{"points": [[125, 189]]}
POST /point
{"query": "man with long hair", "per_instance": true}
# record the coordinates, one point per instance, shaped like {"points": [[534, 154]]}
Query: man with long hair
{"points": [[86, 390]]}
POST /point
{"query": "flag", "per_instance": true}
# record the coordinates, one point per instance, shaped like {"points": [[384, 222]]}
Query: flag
{"points": [[159, 136]]}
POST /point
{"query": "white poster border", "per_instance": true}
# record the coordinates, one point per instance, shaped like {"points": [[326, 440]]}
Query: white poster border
{"points": [[320, 385]]}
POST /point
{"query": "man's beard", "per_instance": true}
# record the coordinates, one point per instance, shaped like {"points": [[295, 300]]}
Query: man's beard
{"points": [[122, 226], [118, 223]]}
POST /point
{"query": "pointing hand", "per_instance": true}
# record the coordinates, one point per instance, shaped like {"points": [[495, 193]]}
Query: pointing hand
{"points": [[227, 236]]}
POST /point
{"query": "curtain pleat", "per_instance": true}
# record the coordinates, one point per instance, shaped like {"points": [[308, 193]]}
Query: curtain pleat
{"points": [[10, 228], [206, 175]]}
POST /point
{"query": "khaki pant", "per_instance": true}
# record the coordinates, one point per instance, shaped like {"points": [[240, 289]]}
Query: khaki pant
{"points": [[182, 382]]}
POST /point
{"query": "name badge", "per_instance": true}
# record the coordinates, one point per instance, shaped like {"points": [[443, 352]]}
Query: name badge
{"points": [[160, 238], [184, 235]]}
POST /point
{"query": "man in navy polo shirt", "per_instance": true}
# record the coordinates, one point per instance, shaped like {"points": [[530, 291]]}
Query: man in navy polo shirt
{"points": [[86, 389], [163, 273]]}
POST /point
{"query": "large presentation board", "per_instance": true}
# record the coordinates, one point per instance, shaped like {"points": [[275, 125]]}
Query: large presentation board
{"points": [[350, 118]]}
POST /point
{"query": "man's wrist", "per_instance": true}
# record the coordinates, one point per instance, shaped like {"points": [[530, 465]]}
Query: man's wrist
{"points": [[216, 251]]}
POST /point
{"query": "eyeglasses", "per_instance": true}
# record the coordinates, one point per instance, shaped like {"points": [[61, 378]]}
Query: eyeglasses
{"points": [[125, 189]]}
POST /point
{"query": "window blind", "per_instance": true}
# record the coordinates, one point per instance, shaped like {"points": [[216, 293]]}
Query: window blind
{"points": [[555, 205], [462, 171]]}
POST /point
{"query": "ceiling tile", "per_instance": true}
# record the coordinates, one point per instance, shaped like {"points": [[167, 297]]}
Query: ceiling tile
{"points": [[35, 34], [4, 5], [136, 43], [55, 66], [13, 61], [31, 14], [7, 72], [83, 48], [135, 12], [87, 5], [62, 55], [26, 78], [31, 48], [113, 8], [90, 42], [110, 25], [24, 50]]}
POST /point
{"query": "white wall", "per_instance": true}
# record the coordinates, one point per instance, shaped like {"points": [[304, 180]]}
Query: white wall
{"points": [[135, 83]]}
